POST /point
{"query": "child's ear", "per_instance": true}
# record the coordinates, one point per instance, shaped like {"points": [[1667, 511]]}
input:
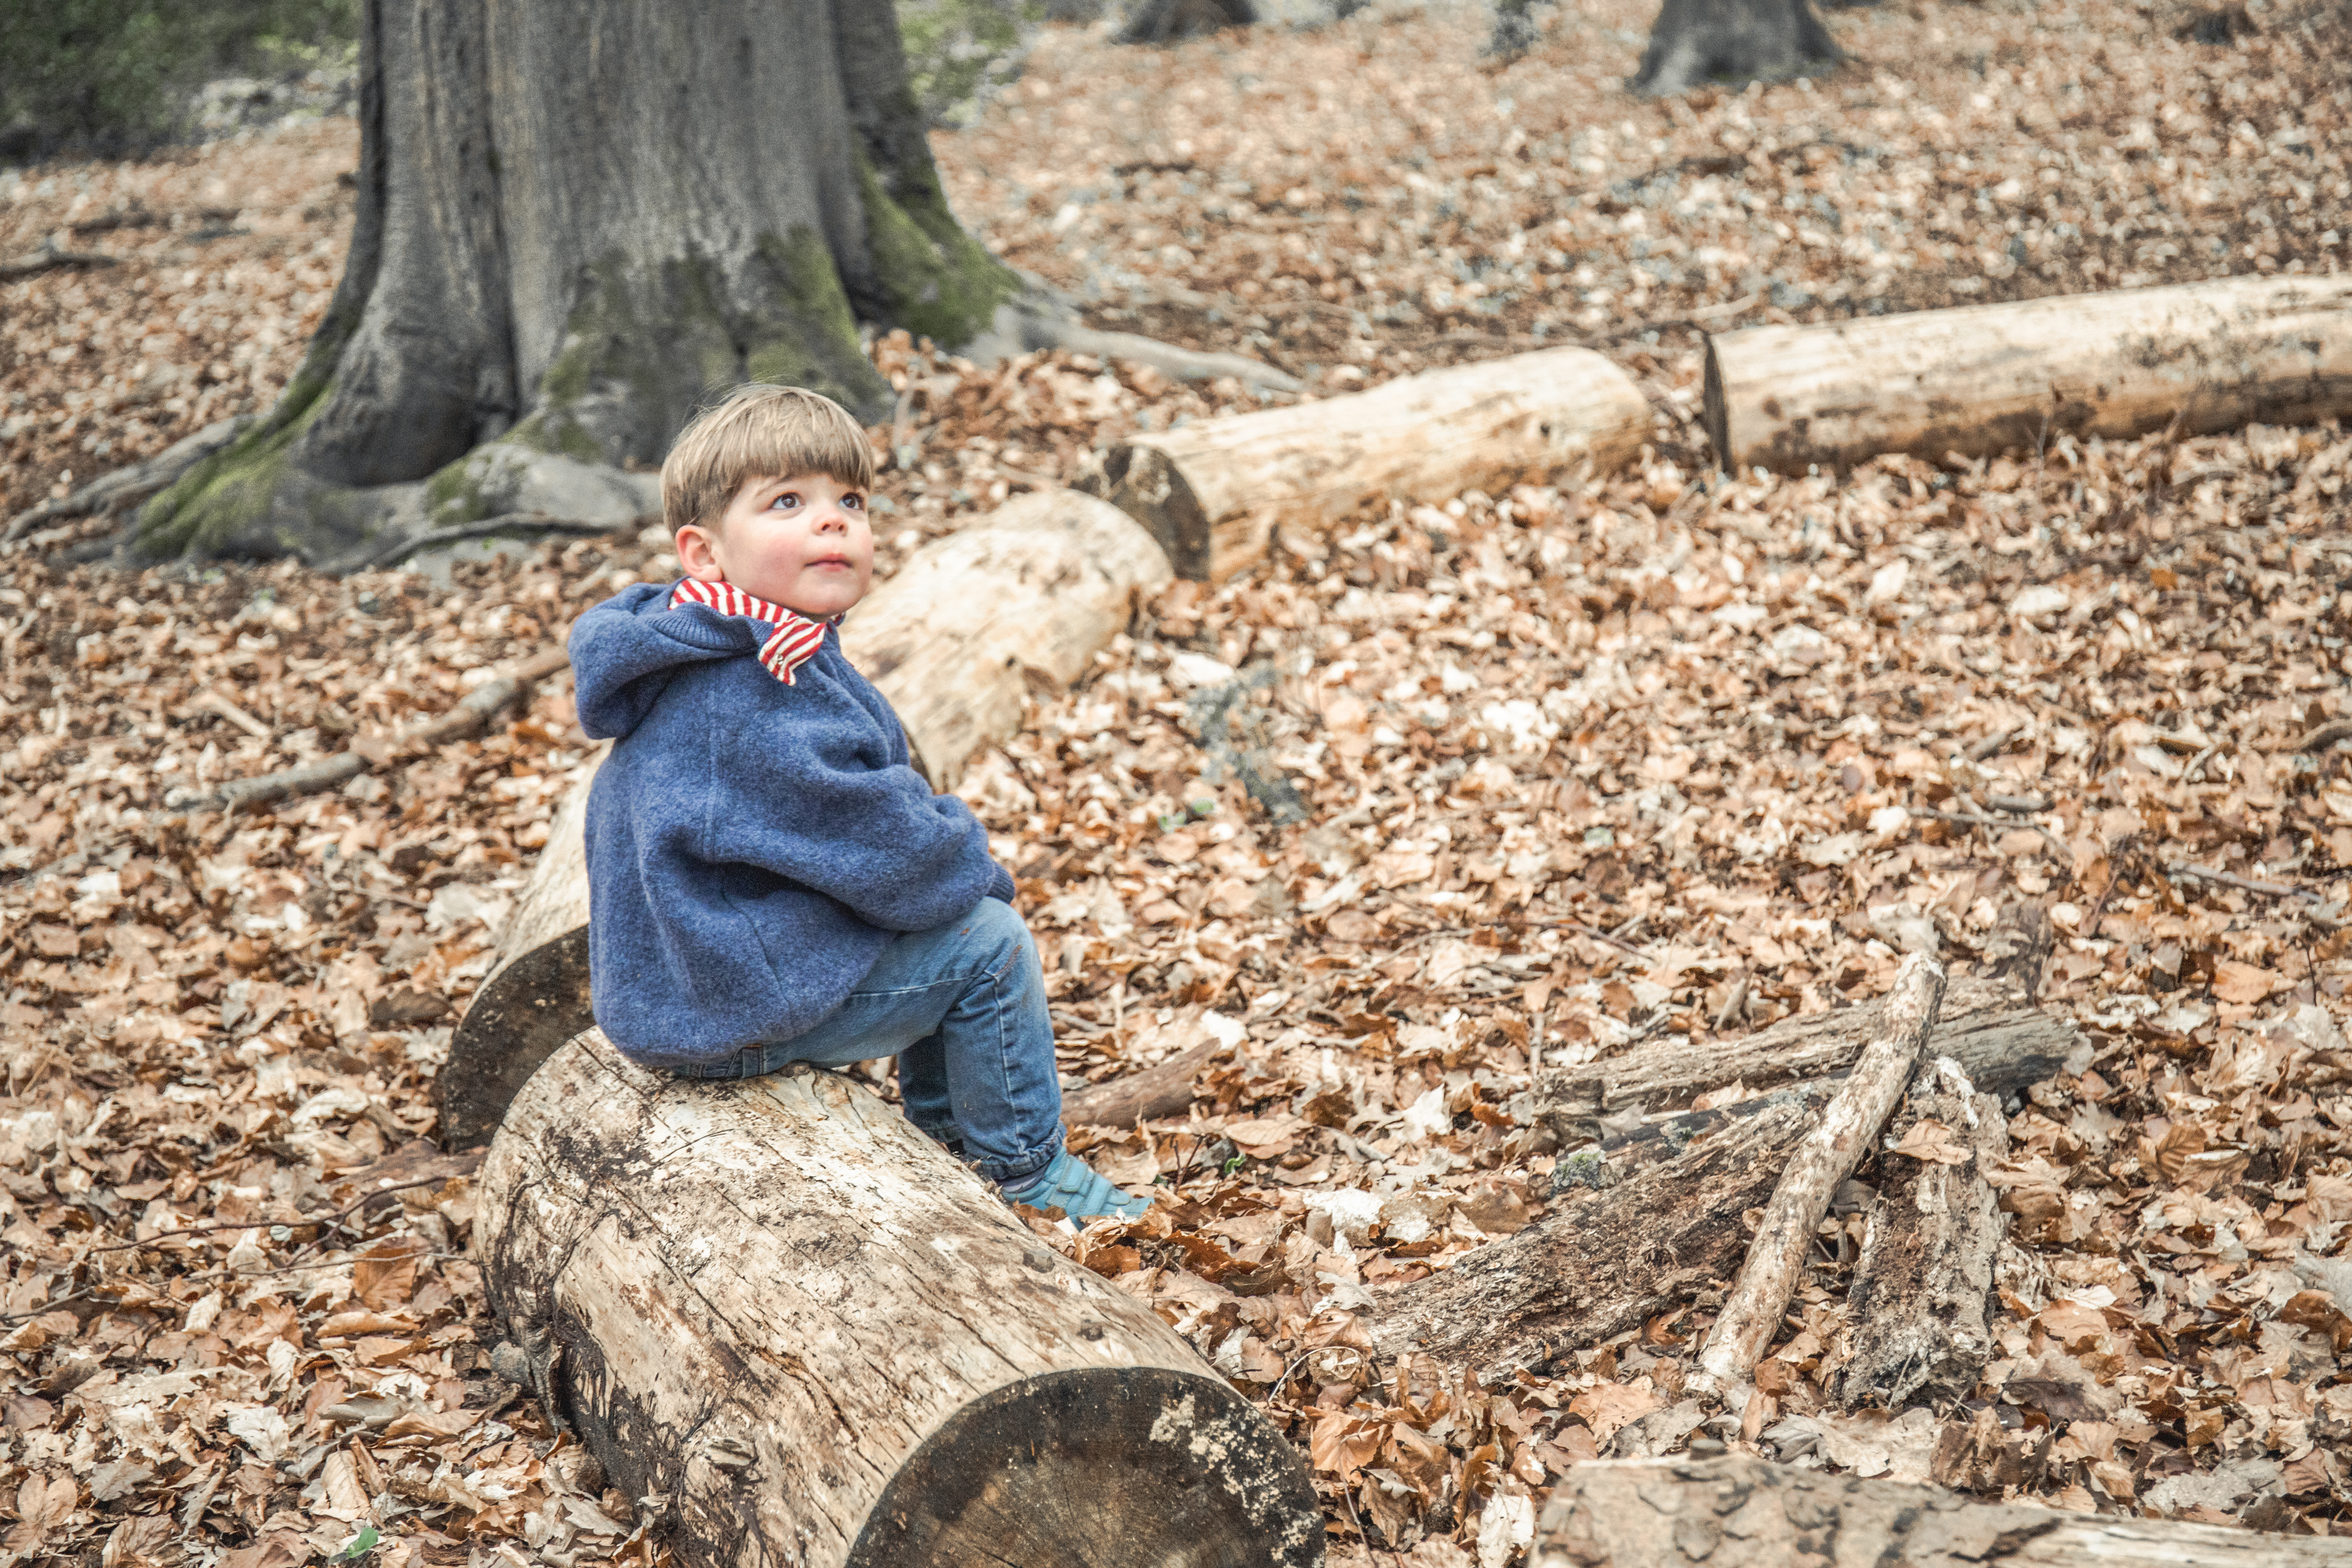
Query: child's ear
{"points": [[698, 552]]}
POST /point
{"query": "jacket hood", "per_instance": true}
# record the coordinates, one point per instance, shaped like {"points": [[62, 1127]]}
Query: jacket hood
{"points": [[624, 652]]}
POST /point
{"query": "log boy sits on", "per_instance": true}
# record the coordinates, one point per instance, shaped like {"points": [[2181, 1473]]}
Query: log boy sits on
{"points": [[769, 880]]}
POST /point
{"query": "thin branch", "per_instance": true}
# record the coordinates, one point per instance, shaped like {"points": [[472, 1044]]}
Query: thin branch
{"points": [[310, 778], [158, 1239], [47, 257]]}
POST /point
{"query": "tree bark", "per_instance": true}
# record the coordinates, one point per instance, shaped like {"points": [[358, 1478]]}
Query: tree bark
{"points": [[1212, 494], [1988, 378], [955, 638], [1922, 1293], [1695, 41], [2001, 1043], [534, 290], [1826, 1156], [1745, 1514], [778, 1306], [1598, 1264]]}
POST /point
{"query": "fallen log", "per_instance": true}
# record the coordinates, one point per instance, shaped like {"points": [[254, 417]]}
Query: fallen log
{"points": [[1742, 1512], [1598, 1263], [1213, 493], [1981, 379], [2003, 1044], [1161, 1090], [779, 1307], [1826, 1156], [1922, 1293], [1028, 594], [954, 638]]}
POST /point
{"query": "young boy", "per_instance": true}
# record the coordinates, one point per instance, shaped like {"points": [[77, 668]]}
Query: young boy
{"points": [[769, 880]]}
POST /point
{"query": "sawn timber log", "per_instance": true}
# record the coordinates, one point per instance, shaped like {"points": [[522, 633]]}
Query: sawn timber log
{"points": [[1745, 1514], [778, 1306], [1981, 379], [1213, 493], [954, 639]]}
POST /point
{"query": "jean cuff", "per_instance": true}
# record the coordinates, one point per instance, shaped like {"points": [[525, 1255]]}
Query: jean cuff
{"points": [[1006, 1172]]}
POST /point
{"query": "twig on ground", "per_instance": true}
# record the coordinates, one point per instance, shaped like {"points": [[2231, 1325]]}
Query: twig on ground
{"points": [[365, 754], [219, 703], [2255, 884], [1977, 819], [2320, 737], [47, 257], [160, 1237]]}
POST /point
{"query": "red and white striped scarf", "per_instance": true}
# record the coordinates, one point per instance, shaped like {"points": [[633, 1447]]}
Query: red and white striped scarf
{"points": [[792, 644]]}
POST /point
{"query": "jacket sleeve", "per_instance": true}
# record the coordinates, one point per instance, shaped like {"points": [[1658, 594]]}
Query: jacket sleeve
{"points": [[818, 796]]}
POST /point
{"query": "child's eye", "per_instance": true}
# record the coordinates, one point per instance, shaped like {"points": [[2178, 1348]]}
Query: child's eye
{"points": [[854, 501], [785, 501]]}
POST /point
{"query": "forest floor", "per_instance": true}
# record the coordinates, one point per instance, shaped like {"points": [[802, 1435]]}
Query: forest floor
{"points": [[1698, 715]]}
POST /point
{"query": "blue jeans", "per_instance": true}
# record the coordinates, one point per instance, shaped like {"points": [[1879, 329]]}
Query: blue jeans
{"points": [[962, 1007]]}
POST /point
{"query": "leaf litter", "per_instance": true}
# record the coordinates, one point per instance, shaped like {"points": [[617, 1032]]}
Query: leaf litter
{"points": [[1464, 790]]}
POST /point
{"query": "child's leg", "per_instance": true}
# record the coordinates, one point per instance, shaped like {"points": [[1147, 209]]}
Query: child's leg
{"points": [[963, 1007]]}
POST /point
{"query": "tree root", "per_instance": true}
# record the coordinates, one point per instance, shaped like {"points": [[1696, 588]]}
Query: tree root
{"points": [[515, 522], [1045, 323], [125, 486]]}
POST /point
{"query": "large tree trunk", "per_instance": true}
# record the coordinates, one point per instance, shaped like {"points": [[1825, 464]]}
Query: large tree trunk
{"points": [[1732, 40], [578, 220], [782, 1308], [1745, 1514]]}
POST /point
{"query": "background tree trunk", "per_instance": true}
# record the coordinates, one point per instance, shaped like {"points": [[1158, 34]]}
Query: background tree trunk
{"points": [[576, 221], [1698, 41]]}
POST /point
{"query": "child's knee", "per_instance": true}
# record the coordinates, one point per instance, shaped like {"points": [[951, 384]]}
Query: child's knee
{"points": [[993, 924]]}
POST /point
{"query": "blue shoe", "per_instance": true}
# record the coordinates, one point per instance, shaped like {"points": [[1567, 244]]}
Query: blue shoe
{"points": [[1072, 1185]]}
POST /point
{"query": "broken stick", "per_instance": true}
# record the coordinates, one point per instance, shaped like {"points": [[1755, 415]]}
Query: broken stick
{"points": [[1828, 1154]]}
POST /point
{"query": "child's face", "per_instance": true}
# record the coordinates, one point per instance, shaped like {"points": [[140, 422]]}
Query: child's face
{"points": [[802, 540]]}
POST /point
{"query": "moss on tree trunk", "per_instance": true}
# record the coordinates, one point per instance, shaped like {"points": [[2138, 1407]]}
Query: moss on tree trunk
{"points": [[537, 297]]}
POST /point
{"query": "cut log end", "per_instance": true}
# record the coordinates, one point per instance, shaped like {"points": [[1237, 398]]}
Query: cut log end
{"points": [[1137, 1467], [1145, 483], [517, 1021]]}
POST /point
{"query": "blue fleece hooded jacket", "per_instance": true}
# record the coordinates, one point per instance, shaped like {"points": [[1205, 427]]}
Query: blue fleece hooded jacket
{"points": [[753, 846]]}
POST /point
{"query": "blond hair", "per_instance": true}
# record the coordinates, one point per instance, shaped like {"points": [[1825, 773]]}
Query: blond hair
{"points": [[759, 431]]}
